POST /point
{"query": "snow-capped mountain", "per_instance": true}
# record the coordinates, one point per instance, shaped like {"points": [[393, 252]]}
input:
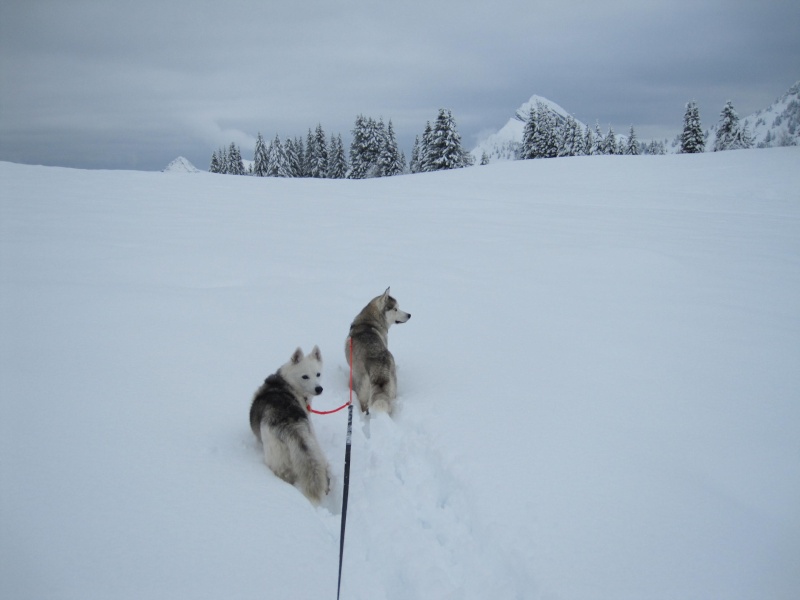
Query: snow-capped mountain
{"points": [[181, 165], [505, 143]]}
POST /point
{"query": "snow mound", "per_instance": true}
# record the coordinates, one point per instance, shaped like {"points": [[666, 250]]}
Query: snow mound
{"points": [[181, 165]]}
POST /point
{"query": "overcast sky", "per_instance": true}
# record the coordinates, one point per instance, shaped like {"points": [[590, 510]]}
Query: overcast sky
{"points": [[112, 84]]}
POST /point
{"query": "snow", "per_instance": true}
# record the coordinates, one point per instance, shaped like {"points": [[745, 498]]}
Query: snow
{"points": [[598, 389]]}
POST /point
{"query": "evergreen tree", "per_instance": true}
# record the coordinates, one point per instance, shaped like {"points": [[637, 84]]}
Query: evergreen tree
{"points": [[692, 140], [235, 163], [359, 159], [588, 142], [318, 159], [730, 136], [292, 160], [570, 138], [260, 158], [414, 167], [390, 161], [337, 162], [445, 151], [214, 166], [545, 141], [310, 153], [278, 163], [632, 146], [301, 169], [610, 142], [425, 164], [528, 148], [599, 146], [222, 161]]}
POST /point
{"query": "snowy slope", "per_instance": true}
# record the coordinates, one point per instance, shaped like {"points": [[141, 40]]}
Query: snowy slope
{"points": [[778, 124], [598, 387]]}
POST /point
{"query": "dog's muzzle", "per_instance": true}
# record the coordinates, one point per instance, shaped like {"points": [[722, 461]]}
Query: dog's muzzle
{"points": [[318, 390]]}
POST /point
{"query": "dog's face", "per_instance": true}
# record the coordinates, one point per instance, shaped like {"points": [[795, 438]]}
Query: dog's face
{"points": [[392, 310], [304, 372]]}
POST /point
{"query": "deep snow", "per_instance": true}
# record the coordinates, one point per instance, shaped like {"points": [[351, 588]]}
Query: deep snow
{"points": [[598, 388]]}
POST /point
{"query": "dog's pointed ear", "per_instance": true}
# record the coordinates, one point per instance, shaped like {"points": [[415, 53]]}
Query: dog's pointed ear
{"points": [[386, 293], [316, 353], [297, 356]]}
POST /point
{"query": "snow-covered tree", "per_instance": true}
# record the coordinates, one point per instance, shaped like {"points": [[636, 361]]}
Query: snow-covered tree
{"points": [[414, 166], [214, 166], [599, 138], [589, 145], [235, 163], [528, 148], [317, 153], [610, 142], [445, 151], [692, 139], [301, 165], [632, 145], [368, 145], [389, 160], [730, 135], [570, 138], [278, 164], [260, 158], [337, 162], [425, 164]]}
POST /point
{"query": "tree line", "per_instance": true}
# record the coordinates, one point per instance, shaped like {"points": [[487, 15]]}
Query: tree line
{"points": [[374, 151]]}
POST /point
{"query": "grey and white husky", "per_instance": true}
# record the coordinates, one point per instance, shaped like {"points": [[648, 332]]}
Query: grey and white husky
{"points": [[279, 419], [374, 375]]}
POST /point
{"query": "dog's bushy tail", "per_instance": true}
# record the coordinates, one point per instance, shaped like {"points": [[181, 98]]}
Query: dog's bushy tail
{"points": [[311, 468]]}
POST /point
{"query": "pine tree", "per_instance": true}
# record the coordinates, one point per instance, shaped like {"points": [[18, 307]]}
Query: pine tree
{"points": [[589, 145], [632, 146], [570, 138], [235, 163], [445, 150], [414, 166], [425, 164], [337, 163], [301, 169], [610, 142], [260, 158], [359, 161], [317, 153], [390, 162], [528, 149], [214, 166], [278, 163], [692, 139], [289, 147], [730, 136], [222, 161]]}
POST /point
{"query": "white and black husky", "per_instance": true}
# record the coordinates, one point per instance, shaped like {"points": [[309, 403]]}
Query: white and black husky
{"points": [[279, 419], [374, 375]]}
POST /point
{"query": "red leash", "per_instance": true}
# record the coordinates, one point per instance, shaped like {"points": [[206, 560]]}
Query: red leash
{"points": [[346, 404]]}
